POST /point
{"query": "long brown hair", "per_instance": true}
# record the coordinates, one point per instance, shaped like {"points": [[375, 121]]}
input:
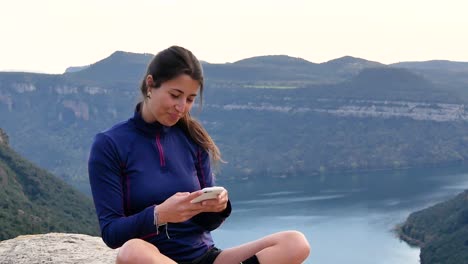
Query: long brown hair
{"points": [[169, 64]]}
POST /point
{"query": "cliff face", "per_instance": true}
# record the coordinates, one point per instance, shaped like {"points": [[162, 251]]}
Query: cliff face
{"points": [[55, 248]]}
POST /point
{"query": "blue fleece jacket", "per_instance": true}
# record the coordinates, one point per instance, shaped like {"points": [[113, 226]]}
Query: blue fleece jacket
{"points": [[134, 166]]}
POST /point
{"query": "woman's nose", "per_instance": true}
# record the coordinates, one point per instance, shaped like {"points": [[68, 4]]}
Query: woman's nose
{"points": [[180, 106]]}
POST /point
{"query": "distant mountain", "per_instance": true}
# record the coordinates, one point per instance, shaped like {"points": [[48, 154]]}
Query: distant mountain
{"points": [[349, 66], [453, 74], [279, 69], [75, 69], [264, 69], [275, 61], [441, 65], [272, 116], [396, 84], [441, 231], [118, 69], [34, 201]]}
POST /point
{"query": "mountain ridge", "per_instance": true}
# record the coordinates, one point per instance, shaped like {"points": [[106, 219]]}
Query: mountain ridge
{"points": [[273, 59], [126, 55], [316, 105], [433, 64]]}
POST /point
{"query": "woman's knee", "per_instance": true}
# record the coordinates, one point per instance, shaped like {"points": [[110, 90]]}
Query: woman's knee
{"points": [[136, 251], [297, 243]]}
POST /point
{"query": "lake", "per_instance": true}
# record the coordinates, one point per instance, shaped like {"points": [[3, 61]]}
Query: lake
{"points": [[347, 218]]}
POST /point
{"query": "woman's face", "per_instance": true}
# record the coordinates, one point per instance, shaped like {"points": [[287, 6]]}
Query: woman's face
{"points": [[171, 101]]}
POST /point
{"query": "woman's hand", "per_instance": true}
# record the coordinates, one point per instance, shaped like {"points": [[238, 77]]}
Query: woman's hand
{"points": [[216, 205], [178, 208]]}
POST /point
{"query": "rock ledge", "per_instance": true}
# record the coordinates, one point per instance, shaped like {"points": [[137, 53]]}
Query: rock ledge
{"points": [[54, 248]]}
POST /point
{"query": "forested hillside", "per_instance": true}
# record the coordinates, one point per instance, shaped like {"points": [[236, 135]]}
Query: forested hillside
{"points": [[441, 231], [34, 201]]}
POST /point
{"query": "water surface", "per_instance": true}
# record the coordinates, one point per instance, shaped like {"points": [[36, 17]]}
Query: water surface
{"points": [[347, 218]]}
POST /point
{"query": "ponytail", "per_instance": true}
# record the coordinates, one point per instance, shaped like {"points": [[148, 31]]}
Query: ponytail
{"points": [[197, 133]]}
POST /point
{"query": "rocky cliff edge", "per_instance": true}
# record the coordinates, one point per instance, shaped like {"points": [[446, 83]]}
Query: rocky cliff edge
{"points": [[54, 248]]}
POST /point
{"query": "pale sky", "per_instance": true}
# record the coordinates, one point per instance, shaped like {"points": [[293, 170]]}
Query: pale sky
{"points": [[50, 35]]}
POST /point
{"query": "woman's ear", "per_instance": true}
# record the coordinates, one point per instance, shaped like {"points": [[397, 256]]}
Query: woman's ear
{"points": [[149, 81]]}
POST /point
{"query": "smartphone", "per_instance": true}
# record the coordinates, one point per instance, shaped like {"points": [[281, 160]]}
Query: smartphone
{"points": [[209, 193]]}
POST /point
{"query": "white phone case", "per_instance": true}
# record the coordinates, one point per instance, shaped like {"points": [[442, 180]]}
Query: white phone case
{"points": [[208, 193]]}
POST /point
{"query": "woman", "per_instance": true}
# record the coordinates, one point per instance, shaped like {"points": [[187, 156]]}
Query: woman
{"points": [[145, 172]]}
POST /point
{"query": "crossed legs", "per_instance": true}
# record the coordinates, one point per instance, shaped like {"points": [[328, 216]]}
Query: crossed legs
{"points": [[138, 251], [288, 247]]}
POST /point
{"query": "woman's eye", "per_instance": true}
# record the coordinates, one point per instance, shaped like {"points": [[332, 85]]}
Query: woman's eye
{"points": [[190, 100], [174, 95]]}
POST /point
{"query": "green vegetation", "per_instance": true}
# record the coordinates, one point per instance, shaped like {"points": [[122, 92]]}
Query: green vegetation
{"points": [[34, 201], [441, 231]]}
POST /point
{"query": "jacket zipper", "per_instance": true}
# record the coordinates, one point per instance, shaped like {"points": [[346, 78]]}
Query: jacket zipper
{"points": [[161, 150]]}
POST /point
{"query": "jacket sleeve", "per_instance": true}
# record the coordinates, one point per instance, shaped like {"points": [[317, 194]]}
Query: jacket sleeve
{"points": [[209, 221], [104, 169]]}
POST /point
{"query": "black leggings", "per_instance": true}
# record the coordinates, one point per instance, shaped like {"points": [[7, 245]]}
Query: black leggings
{"points": [[210, 256], [207, 258]]}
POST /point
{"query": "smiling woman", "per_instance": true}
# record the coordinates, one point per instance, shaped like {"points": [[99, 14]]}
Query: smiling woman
{"points": [[171, 101], [145, 172], [173, 79]]}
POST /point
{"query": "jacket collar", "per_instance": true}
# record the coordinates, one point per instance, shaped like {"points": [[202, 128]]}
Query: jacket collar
{"points": [[147, 128]]}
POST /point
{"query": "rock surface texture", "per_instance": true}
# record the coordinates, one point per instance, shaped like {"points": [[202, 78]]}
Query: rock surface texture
{"points": [[56, 248]]}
